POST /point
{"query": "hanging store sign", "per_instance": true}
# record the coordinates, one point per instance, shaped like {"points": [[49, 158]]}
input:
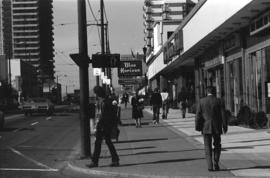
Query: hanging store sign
{"points": [[129, 81], [214, 62], [130, 68], [96, 71], [174, 47]]}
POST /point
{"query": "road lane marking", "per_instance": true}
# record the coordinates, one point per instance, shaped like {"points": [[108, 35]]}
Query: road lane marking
{"points": [[34, 123], [16, 130], [19, 169], [30, 159], [48, 118], [13, 117]]}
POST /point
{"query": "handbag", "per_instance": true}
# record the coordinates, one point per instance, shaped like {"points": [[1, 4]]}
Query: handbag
{"points": [[199, 123]]}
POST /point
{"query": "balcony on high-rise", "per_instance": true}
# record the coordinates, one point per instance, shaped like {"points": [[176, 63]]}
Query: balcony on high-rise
{"points": [[149, 18], [149, 34]]}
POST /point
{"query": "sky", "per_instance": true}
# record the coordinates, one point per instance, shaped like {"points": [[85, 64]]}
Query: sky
{"points": [[125, 19]]}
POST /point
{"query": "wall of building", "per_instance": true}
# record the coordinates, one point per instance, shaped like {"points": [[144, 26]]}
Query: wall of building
{"points": [[156, 66], [3, 68]]}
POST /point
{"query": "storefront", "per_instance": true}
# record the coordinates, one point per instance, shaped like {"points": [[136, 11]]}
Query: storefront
{"points": [[211, 72], [234, 84], [257, 77]]}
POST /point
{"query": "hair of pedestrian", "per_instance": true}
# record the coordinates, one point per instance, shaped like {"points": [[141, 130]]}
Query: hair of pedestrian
{"points": [[211, 89], [99, 91]]}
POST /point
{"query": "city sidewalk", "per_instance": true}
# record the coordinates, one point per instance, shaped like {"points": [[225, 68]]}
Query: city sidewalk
{"points": [[246, 152], [174, 148]]}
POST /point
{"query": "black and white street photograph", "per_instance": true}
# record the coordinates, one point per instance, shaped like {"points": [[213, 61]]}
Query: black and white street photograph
{"points": [[134, 88]]}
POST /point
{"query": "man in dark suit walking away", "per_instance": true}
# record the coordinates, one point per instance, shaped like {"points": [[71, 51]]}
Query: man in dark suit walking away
{"points": [[107, 121], [156, 102], [211, 121]]}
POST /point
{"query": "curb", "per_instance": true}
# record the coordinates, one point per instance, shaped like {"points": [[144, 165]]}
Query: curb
{"points": [[93, 172], [97, 173]]}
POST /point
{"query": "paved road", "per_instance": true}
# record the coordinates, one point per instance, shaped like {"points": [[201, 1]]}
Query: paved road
{"points": [[38, 145]]}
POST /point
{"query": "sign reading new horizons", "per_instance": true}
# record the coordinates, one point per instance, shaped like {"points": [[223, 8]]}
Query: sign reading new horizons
{"points": [[130, 68]]}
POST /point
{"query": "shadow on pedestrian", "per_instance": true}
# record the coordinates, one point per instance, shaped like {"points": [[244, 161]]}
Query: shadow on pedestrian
{"points": [[141, 140], [156, 152], [244, 168], [244, 147], [136, 148], [247, 141], [133, 124], [160, 162]]}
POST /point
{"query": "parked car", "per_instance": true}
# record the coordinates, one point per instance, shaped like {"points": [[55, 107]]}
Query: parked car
{"points": [[2, 120], [37, 105]]}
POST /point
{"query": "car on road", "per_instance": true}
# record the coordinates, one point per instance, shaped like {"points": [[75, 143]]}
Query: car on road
{"points": [[2, 120], [37, 105]]}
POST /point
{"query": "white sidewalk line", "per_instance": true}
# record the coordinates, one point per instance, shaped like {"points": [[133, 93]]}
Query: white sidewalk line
{"points": [[48, 118], [34, 123], [32, 160]]}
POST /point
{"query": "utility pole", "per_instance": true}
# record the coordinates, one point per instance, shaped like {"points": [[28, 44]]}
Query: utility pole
{"points": [[84, 80], [109, 70], [102, 35]]}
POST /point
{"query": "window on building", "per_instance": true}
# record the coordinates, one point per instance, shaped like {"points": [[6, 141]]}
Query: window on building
{"points": [[169, 34]]}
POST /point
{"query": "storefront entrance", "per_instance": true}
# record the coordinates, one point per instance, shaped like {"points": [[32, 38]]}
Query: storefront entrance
{"points": [[234, 93], [257, 79]]}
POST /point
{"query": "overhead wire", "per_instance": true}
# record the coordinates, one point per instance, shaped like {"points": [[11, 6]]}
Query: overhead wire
{"points": [[92, 12], [63, 56]]}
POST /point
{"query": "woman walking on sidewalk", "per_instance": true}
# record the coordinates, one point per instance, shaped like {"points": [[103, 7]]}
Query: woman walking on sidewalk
{"points": [[137, 107], [182, 99]]}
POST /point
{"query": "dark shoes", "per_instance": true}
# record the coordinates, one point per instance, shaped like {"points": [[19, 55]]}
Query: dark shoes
{"points": [[92, 164], [114, 164], [216, 167]]}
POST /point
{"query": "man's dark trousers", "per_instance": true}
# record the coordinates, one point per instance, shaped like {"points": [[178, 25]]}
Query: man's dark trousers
{"points": [[156, 109], [99, 137], [208, 148]]}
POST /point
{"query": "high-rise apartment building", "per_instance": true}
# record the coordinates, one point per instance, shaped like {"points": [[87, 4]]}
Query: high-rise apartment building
{"points": [[165, 11], [28, 34], [1, 31]]}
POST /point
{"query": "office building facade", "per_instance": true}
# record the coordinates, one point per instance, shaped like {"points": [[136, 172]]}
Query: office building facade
{"points": [[163, 11], [28, 35]]}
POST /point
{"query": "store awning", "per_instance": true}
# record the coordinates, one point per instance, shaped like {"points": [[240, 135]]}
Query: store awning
{"points": [[237, 21]]}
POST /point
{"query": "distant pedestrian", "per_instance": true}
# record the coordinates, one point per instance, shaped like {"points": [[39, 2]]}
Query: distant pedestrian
{"points": [[183, 105], [104, 128], [137, 109], [211, 121], [156, 102], [182, 99], [125, 99], [165, 103]]}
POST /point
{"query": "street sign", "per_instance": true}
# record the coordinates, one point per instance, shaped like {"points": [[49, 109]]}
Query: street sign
{"points": [[80, 59], [130, 68], [129, 81], [96, 71], [105, 60]]}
